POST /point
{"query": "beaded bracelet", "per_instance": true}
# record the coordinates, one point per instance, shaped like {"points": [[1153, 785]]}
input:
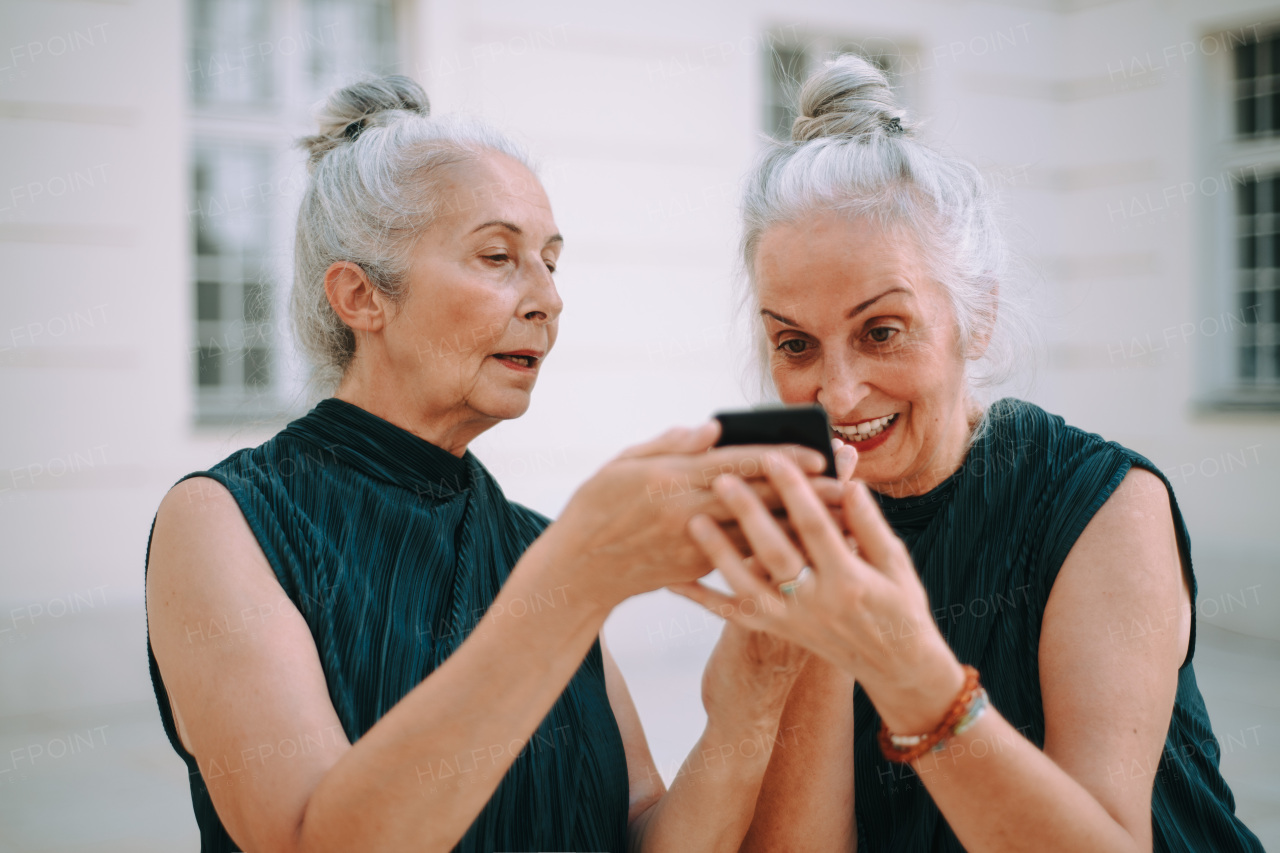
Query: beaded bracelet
{"points": [[968, 706]]}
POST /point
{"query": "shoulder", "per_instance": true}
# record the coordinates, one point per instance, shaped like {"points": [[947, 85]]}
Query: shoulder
{"points": [[1076, 471], [1124, 578], [1044, 439]]}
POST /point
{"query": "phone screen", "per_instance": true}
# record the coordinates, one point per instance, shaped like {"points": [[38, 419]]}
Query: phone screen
{"points": [[806, 426]]}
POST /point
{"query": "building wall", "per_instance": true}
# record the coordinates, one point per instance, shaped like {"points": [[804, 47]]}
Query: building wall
{"points": [[646, 118]]}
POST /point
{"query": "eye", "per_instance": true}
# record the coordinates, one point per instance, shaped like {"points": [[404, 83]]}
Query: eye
{"points": [[882, 334], [551, 266], [793, 346], [500, 258]]}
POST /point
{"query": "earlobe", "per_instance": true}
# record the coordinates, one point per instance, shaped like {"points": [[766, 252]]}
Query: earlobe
{"points": [[354, 298]]}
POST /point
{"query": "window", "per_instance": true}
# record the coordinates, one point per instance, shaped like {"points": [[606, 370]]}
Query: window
{"points": [[1241, 324], [792, 58], [255, 72]]}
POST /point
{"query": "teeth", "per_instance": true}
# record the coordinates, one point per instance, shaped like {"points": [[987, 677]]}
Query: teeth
{"points": [[525, 360], [866, 429]]}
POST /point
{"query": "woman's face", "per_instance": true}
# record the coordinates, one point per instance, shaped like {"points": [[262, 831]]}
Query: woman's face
{"points": [[855, 322], [481, 309]]}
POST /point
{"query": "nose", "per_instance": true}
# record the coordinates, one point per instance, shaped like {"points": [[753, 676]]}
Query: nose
{"points": [[542, 303], [843, 386]]}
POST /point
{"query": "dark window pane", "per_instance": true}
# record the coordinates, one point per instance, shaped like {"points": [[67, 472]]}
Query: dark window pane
{"points": [[257, 373], [1246, 116], [1249, 306], [208, 300], [1248, 362], [1246, 61], [1248, 252], [231, 215], [257, 303], [209, 367], [1272, 49], [786, 67], [1245, 198]]}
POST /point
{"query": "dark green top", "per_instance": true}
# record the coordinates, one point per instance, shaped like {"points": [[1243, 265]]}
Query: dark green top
{"points": [[988, 543], [392, 549]]}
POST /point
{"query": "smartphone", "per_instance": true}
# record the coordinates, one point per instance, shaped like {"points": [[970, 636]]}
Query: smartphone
{"points": [[806, 426]]}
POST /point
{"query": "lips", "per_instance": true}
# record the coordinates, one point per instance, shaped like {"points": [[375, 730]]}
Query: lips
{"points": [[865, 430], [869, 434], [520, 359]]}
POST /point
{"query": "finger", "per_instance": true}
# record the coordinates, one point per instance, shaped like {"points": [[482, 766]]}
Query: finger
{"points": [[809, 517], [712, 599], [876, 541], [769, 542], [829, 491], [684, 440], [747, 460], [753, 565], [846, 460], [725, 557]]}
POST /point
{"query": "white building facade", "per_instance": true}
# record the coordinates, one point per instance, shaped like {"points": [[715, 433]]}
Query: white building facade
{"points": [[146, 205]]}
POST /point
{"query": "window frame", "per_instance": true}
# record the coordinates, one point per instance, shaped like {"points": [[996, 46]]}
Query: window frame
{"points": [[1229, 159], [900, 62], [273, 124]]}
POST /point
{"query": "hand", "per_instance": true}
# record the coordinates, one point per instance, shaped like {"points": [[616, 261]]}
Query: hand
{"points": [[624, 531], [863, 608], [748, 678]]}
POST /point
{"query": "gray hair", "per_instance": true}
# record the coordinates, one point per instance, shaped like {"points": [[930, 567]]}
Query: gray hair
{"points": [[376, 170], [854, 150]]}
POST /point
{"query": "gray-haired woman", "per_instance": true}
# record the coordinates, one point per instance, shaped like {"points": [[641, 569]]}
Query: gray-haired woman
{"points": [[1006, 649], [357, 642]]}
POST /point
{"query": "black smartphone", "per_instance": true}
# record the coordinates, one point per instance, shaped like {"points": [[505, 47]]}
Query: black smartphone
{"points": [[806, 426]]}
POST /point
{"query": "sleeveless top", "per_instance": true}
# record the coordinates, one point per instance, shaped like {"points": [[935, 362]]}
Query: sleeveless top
{"points": [[988, 543], [392, 549]]}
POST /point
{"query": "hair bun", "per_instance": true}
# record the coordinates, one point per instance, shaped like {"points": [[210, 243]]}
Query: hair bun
{"points": [[848, 97], [351, 109]]}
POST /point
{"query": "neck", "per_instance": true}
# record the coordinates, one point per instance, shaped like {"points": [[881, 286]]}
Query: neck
{"points": [[451, 429]]}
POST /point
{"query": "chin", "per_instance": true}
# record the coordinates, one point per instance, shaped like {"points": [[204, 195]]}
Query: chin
{"points": [[506, 407]]}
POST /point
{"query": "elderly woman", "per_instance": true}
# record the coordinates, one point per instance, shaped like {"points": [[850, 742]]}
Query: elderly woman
{"points": [[1004, 614], [356, 642]]}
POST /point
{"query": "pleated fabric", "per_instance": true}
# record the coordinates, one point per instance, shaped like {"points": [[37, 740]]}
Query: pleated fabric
{"points": [[988, 543], [393, 549]]}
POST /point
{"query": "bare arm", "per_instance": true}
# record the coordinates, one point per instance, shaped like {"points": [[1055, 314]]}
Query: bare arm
{"points": [[418, 777], [1107, 703], [713, 796], [813, 775], [421, 774], [1108, 695]]}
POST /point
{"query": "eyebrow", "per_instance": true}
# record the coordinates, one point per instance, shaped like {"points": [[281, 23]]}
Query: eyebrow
{"points": [[855, 311], [514, 229]]}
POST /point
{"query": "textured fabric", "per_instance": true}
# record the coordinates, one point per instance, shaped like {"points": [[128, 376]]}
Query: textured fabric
{"points": [[988, 543], [392, 549]]}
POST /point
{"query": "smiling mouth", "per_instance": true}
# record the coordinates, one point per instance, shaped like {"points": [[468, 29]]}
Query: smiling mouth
{"points": [[528, 361], [865, 430]]}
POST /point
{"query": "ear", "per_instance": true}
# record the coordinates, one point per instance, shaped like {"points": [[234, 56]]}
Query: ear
{"points": [[986, 324], [360, 305]]}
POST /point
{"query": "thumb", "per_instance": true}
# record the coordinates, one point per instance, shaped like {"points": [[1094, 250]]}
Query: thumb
{"points": [[846, 460]]}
